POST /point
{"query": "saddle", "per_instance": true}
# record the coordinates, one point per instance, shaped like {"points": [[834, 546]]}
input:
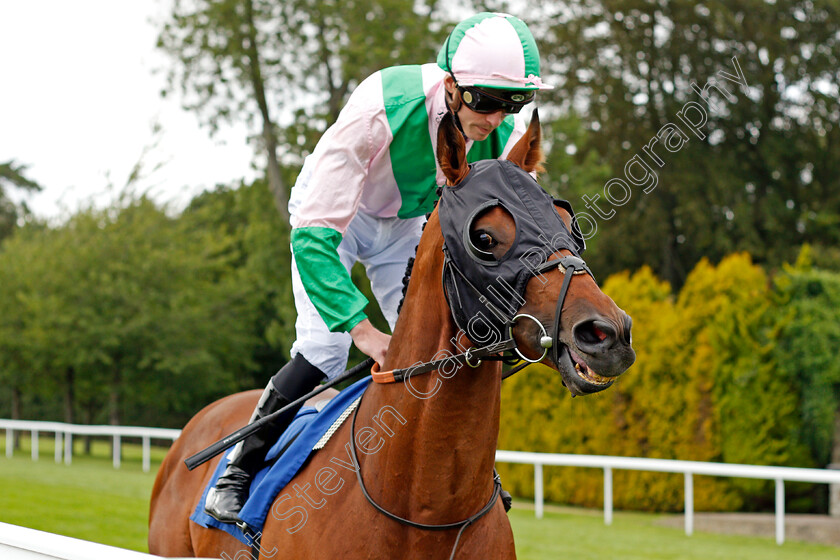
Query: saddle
{"points": [[311, 429]]}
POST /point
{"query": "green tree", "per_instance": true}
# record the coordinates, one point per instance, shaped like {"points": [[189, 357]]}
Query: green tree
{"points": [[810, 337], [706, 386], [262, 62], [13, 175], [261, 270], [764, 177], [753, 403], [15, 354], [127, 312]]}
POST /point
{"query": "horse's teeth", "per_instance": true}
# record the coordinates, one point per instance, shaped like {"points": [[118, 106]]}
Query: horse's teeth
{"points": [[577, 366]]}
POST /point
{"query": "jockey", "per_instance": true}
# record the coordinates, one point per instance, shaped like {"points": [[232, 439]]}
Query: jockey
{"points": [[363, 194]]}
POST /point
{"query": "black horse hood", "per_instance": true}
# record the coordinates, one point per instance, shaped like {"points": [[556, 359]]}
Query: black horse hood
{"points": [[484, 292]]}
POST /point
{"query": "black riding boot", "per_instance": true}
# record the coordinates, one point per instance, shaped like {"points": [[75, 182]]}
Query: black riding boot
{"points": [[294, 380]]}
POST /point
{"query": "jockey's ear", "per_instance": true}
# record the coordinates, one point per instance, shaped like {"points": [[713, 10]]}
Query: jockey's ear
{"points": [[451, 151], [527, 152]]}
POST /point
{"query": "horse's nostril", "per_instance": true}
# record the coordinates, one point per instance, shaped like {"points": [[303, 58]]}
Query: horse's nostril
{"points": [[594, 333], [628, 324], [598, 332]]}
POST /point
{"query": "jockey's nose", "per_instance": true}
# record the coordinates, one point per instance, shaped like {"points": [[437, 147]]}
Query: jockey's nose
{"points": [[495, 119]]}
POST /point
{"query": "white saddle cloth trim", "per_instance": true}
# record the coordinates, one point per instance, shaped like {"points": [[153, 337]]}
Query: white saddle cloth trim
{"points": [[336, 425]]}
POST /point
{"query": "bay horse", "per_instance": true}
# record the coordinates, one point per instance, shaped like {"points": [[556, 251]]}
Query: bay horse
{"points": [[425, 448]]}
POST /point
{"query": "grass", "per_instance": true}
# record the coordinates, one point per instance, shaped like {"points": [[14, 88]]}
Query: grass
{"points": [[88, 500], [582, 535], [93, 501]]}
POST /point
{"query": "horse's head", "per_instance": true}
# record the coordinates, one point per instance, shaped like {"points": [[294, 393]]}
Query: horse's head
{"points": [[513, 266]]}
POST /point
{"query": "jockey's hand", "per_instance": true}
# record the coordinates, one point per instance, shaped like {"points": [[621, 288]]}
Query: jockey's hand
{"points": [[371, 340]]}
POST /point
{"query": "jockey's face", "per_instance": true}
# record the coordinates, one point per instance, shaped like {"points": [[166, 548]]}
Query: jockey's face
{"points": [[477, 126]]}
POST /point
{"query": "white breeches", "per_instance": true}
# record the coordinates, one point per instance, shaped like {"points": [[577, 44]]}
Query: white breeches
{"points": [[383, 246]]}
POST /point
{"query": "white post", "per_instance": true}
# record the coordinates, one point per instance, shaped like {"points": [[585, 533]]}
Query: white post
{"points": [[608, 496], [146, 454], [10, 442], [58, 447], [689, 504], [116, 451], [68, 448], [34, 445], [538, 490], [780, 511]]}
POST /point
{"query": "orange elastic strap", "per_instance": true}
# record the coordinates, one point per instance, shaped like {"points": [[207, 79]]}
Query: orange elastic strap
{"points": [[381, 376]]}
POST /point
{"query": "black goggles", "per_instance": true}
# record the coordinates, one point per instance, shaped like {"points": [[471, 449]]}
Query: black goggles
{"points": [[483, 101]]}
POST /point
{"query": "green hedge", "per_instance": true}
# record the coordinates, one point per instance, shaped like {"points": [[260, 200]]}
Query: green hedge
{"points": [[735, 368]]}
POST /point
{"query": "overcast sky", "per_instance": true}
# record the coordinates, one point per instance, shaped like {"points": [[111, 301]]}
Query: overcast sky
{"points": [[78, 99]]}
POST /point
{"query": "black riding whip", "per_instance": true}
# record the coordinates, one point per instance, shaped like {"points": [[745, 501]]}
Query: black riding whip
{"points": [[232, 439]]}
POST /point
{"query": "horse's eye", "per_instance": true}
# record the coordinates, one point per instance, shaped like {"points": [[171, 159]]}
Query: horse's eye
{"points": [[483, 241]]}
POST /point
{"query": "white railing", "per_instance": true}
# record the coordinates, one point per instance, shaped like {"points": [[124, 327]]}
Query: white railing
{"points": [[65, 432], [29, 544], [688, 468]]}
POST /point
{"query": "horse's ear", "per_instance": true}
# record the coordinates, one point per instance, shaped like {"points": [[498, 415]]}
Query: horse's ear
{"points": [[451, 150], [527, 152]]}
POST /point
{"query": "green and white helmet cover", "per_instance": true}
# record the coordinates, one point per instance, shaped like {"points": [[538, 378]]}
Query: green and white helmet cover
{"points": [[493, 50]]}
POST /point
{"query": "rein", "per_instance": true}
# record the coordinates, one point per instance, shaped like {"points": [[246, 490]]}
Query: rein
{"points": [[465, 358], [461, 525], [569, 266]]}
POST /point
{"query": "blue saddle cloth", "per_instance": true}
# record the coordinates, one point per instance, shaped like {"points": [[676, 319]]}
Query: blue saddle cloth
{"points": [[307, 428]]}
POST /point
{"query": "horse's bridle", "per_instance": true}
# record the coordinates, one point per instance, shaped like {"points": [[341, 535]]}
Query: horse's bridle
{"points": [[569, 265], [518, 193]]}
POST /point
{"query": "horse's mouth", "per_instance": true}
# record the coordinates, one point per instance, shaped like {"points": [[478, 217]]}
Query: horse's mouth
{"points": [[578, 377], [586, 372]]}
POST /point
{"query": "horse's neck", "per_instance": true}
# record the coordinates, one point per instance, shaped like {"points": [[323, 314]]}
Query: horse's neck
{"points": [[440, 432]]}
